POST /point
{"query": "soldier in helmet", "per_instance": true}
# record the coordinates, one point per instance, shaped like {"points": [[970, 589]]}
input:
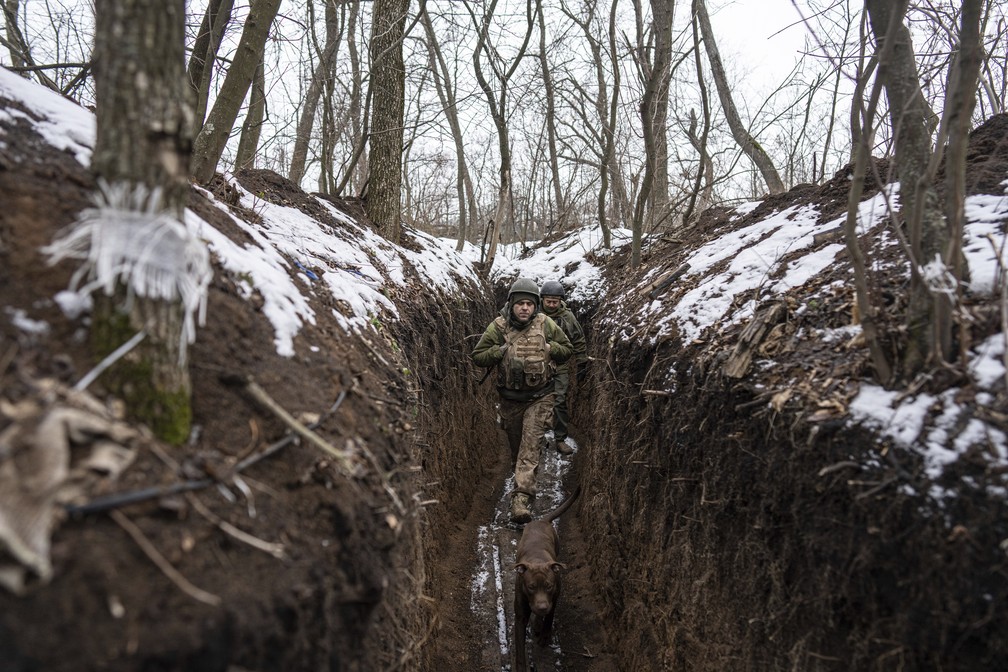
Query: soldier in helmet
{"points": [[526, 346], [553, 304]]}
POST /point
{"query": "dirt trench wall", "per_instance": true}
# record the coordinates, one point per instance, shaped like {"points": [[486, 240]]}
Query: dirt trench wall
{"points": [[451, 454], [723, 545], [351, 591]]}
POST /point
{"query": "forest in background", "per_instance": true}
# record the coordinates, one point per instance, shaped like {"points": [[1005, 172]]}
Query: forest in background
{"points": [[636, 123], [532, 114]]}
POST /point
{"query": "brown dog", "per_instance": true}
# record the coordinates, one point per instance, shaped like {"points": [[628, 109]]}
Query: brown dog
{"points": [[537, 582]]}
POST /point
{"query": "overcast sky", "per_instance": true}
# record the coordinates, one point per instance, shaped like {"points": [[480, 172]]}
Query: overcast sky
{"points": [[762, 38]]}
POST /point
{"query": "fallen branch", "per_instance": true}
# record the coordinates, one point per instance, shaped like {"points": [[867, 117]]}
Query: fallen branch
{"points": [[827, 236], [276, 550], [741, 357], [260, 395], [758, 401], [115, 501], [837, 467], [655, 289], [873, 491], [166, 567]]}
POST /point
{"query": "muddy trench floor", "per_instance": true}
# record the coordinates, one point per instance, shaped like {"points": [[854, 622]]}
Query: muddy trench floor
{"points": [[478, 582]]}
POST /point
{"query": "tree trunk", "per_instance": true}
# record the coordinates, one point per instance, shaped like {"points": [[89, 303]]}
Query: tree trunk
{"points": [[210, 142], [18, 47], [498, 109], [746, 142], [11, 8], [323, 71], [960, 103], [143, 140], [912, 123], [662, 14], [551, 134], [466, 194], [388, 90], [245, 155], [620, 196], [204, 55], [655, 70], [700, 196], [358, 169]]}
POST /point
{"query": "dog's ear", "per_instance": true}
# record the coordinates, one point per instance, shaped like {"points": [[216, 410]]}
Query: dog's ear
{"points": [[557, 566], [520, 567]]}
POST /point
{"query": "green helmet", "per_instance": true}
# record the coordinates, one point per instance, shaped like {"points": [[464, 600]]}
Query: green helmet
{"points": [[524, 286], [553, 288]]}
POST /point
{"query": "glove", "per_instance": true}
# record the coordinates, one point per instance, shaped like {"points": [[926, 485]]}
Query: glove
{"points": [[582, 373]]}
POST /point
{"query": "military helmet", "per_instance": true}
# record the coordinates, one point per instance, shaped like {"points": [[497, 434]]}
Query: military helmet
{"points": [[524, 286], [552, 288]]}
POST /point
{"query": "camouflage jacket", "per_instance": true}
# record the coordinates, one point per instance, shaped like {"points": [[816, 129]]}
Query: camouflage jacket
{"points": [[526, 358], [565, 318]]}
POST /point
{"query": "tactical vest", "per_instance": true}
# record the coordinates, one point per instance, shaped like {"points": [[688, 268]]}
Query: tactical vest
{"points": [[526, 364]]}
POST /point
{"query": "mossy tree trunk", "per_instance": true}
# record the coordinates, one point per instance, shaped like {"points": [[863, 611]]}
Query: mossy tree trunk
{"points": [[144, 139]]}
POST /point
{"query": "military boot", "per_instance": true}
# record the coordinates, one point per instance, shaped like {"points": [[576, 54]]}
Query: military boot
{"points": [[566, 446], [521, 512]]}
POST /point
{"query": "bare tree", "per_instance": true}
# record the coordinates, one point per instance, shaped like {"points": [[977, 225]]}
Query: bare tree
{"points": [[248, 142], [913, 122], [323, 72], [656, 123], [210, 143], [994, 66], [466, 195], [746, 142], [550, 126], [204, 55], [13, 40], [17, 46], [959, 106], [498, 105], [703, 186], [655, 69], [357, 170], [603, 128], [387, 90], [342, 113]]}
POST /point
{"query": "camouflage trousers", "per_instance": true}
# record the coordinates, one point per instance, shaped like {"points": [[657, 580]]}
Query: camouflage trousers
{"points": [[524, 422], [561, 416]]}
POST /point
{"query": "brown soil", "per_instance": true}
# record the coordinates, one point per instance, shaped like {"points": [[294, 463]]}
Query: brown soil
{"points": [[706, 537], [377, 565]]}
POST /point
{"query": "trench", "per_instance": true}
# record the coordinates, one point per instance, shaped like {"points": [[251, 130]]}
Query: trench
{"points": [[713, 531], [706, 536], [469, 543]]}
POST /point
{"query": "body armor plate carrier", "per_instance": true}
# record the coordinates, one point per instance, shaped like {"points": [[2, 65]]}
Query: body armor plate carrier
{"points": [[526, 364]]}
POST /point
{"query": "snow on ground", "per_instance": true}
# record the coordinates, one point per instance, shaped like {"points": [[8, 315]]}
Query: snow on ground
{"points": [[358, 268], [753, 253], [563, 261], [362, 271], [60, 122]]}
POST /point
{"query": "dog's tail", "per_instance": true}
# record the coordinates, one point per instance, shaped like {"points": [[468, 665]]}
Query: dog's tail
{"points": [[564, 505]]}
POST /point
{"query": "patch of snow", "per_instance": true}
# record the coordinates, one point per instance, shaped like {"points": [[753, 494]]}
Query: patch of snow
{"points": [[73, 304], [984, 244], [565, 261], [20, 319], [62, 123]]}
